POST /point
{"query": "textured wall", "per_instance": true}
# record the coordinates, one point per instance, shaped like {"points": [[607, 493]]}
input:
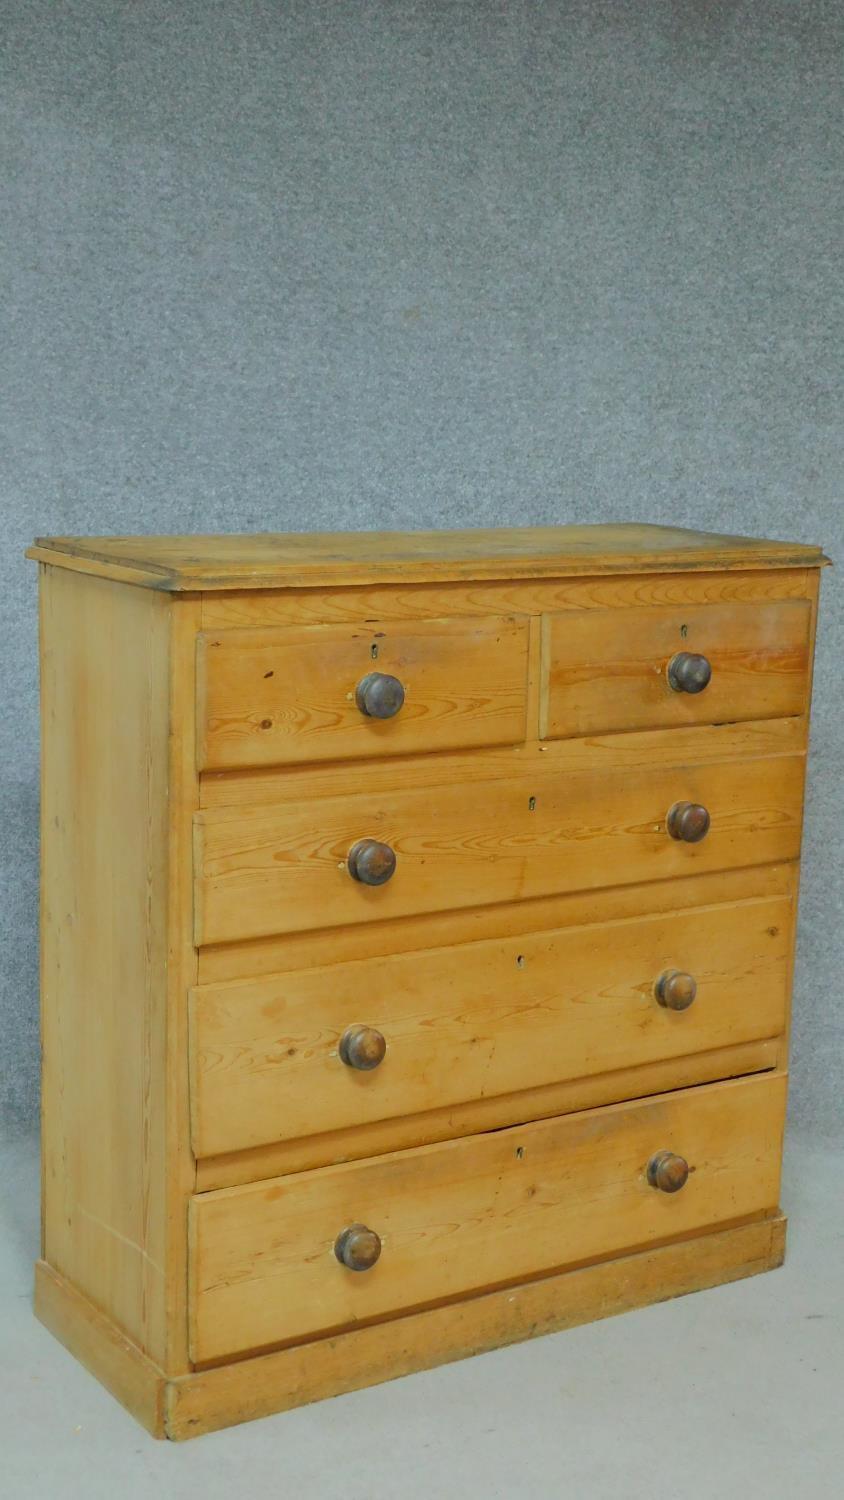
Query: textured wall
{"points": [[394, 264]]}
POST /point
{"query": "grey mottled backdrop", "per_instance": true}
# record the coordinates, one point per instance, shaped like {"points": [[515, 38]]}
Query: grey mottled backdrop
{"points": [[392, 264]]}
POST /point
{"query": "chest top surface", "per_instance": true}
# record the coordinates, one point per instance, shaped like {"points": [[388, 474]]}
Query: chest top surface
{"points": [[266, 560]]}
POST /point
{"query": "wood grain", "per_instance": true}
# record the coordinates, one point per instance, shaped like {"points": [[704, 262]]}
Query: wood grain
{"points": [[292, 1377], [182, 962], [493, 1112], [478, 1019], [698, 743], [295, 950], [205, 772], [282, 868], [607, 670], [119, 790], [116, 1361], [105, 753], [316, 559], [280, 695], [467, 1215], [203, 1401], [437, 600], [814, 599]]}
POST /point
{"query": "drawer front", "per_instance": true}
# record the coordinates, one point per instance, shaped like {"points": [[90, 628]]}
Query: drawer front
{"points": [[470, 1214], [607, 669], [267, 697], [478, 1019], [284, 868]]}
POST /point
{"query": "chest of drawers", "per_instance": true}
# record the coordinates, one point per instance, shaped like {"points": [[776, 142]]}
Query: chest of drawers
{"points": [[417, 928]]}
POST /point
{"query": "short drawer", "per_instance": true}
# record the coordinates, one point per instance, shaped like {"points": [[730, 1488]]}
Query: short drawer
{"points": [[466, 1215], [336, 692], [608, 669], [536, 832], [321, 1049]]}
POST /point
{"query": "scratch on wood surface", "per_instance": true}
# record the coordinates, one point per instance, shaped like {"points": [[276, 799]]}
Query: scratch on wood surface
{"points": [[124, 1240]]}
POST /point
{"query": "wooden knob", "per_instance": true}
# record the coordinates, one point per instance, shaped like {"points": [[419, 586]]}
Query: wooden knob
{"points": [[362, 1047], [357, 1248], [688, 673], [668, 1172], [688, 821], [371, 863], [379, 696], [675, 990]]}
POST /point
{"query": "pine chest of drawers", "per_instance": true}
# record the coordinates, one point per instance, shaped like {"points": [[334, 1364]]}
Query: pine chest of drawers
{"points": [[418, 920]]}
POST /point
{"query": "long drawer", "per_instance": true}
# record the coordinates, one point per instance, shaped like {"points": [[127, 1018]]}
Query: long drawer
{"points": [[319, 1049], [284, 867], [465, 1215]]}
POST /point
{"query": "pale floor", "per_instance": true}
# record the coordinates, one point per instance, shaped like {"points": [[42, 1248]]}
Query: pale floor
{"points": [[736, 1392]]}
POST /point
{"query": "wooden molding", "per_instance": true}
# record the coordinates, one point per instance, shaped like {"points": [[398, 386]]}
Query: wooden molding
{"points": [[200, 1402]]}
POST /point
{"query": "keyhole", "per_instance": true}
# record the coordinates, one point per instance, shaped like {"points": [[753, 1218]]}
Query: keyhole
{"points": [[684, 630], [373, 650]]}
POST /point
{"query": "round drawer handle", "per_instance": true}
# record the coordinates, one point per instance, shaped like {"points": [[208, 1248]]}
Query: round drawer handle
{"points": [[362, 1047], [357, 1248], [676, 990], [371, 863], [689, 673], [668, 1172], [688, 822], [379, 696]]}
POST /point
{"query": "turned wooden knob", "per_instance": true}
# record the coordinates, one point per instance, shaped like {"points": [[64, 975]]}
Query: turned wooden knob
{"points": [[668, 1172], [688, 821], [379, 696], [357, 1248], [676, 990], [371, 863], [689, 673], [362, 1047]]}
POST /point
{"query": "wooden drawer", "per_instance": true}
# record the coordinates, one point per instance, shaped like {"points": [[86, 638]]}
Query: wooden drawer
{"points": [[469, 1214], [539, 831], [289, 694], [478, 1019], [607, 669]]}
